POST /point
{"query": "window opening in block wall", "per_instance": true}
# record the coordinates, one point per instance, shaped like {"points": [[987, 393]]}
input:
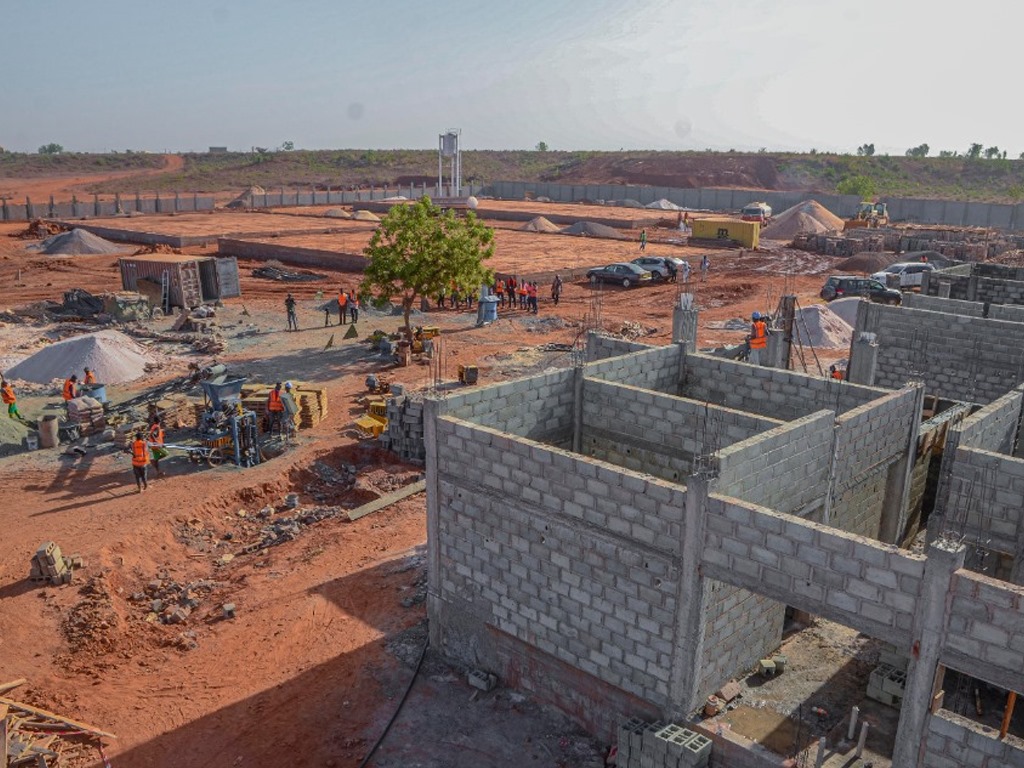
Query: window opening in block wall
{"points": [[999, 710]]}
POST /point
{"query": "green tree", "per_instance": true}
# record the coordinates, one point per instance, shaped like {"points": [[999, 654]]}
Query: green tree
{"points": [[974, 152], [861, 186], [51, 149], [418, 250], [287, 146], [921, 150], [992, 152], [947, 153], [866, 150], [542, 146]]}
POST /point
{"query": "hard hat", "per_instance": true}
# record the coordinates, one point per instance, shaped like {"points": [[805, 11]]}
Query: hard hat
{"points": [[287, 385], [757, 315]]}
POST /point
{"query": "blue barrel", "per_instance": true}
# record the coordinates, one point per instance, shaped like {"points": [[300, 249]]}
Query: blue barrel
{"points": [[489, 305], [95, 391]]}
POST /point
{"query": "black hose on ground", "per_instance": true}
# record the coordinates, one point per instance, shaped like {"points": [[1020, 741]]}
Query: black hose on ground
{"points": [[401, 703]]}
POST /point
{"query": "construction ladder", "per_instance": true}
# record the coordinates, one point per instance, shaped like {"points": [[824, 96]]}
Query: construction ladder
{"points": [[165, 292]]}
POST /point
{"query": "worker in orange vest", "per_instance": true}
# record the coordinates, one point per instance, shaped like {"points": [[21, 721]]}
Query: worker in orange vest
{"points": [[499, 291], [275, 406], [342, 302], [140, 460], [531, 297], [7, 394], [758, 339], [90, 377], [156, 443], [835, 373], [70, 390], [522, 291]]}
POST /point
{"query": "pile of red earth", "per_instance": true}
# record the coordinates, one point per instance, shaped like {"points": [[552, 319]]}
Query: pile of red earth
{"points": [[38, 229], [867, 262], [808, 217]]}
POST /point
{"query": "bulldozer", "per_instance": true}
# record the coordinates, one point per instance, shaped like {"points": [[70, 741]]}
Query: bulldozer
{"points": [[871, 215]]}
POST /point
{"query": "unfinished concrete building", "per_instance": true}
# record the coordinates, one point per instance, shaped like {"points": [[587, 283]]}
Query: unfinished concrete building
{"points": [[623, 537]]}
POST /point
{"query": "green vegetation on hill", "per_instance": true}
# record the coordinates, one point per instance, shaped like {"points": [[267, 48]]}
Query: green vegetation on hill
{"points": [[963, 177]]}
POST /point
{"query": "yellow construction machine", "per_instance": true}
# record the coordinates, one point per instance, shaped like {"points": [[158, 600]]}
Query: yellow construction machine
{"points": [[871, 215]]}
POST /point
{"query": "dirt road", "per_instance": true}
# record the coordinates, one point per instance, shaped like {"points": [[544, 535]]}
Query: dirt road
{"points": [[40, 188]]}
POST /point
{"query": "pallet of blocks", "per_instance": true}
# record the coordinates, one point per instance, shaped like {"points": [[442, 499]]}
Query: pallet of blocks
{"points": [[311, 401], [125, 433], [87, 413], [175, 411], [404, 434]]}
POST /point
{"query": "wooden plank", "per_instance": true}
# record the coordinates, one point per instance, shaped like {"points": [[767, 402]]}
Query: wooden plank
{"points": [[387, 500], [5, 687], [52, 716]]}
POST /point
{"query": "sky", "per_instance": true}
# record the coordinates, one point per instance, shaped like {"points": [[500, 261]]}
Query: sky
{"points": [[576, 74]]}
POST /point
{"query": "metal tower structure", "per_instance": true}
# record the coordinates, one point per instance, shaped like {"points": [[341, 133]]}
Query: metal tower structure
{"points": [[448, 149]]}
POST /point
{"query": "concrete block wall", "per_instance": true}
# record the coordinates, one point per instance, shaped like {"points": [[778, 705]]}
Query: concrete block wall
{"points": [[1008, 312], [958, 357], [985, 631], [985, 500], [956, 742], [874, 435], [307, 257], [949, 306], [999, 290], [846, 578], [740, 627], [600, 347], [857, 508], [572, 556], [540, 407], [654, 368], [656, 433], [786, 468], [772, 392], [954, 286], [993, 427]]}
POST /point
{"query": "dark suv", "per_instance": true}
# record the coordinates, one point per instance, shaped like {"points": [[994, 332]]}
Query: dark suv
{"points": [[838, 286]]}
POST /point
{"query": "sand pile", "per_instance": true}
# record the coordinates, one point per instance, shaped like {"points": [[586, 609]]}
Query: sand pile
{"points": [[867, 262], [365, 216], [593, 229], [819, 326], [540, 224], [663, 205], [77, 242], [846, 309], [337, 213], [809, 217], [114, 358]]}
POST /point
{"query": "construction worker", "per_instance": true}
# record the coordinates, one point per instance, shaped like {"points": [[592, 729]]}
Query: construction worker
{"points": [[90, 377], [835, 373], [556, 289], [499, 291], [643, 240], [705, 265], [522, 292], [531, 297], [291, 407], [140, 460], [353, 305], [275, 407], [342, 308], [758, 338], [70, 391], [293, 320], [686, 272], [7, 394], [156, 443]]}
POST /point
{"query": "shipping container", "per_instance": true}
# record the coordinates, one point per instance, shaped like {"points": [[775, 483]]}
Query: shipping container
{"points": [[744, 233], [191, 280]]}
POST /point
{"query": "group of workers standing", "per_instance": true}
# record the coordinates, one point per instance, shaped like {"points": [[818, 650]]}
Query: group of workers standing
{"points": [[523, 294], [348, 309]]}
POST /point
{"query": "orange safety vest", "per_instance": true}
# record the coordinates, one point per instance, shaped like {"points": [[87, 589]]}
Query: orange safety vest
{"points": [[275, 404], [759, 339], [156, 435], [90, 378], [7, 392], [342, 299], [499, 288], [140, 456], [837, 374], [69, 390]]}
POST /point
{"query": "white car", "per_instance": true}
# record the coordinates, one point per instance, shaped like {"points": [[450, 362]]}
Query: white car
{"points": [[911, 273]]}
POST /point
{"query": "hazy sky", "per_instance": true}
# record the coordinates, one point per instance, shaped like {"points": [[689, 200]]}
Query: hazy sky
{"points": [[584, 74]]}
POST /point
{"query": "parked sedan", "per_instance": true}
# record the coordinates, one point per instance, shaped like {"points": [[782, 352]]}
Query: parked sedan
{"points": [[838, 286], [623, 273], [656, 265]]}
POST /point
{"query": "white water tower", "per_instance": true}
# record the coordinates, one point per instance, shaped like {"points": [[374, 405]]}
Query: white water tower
{"points": [[448, 149]]}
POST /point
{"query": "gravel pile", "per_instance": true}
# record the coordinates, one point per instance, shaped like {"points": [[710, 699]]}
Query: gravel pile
{"points": [[809, 217], [593, 229], [663, 205], [540, 224], [867, 262], [113, 356], [77, 242]]}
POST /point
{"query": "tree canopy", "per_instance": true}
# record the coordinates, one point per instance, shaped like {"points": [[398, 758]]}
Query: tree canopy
{"points": [[419, 250]]}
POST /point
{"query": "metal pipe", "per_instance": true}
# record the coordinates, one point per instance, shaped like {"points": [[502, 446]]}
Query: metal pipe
{"points": [[863, 738], [853, 723]]}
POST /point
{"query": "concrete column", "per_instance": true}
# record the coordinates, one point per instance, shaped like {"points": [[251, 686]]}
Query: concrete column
{"points": [[863, 361], [691, 599], [29, 211], [944, 289], [972, 287], [927, 637], [897, 484], [577, 408], [95, 205], [435, 606], [684, 322], [925, 283]]}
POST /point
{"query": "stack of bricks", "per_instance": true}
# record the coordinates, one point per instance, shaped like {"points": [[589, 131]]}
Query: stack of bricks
{"points": [[50, 565], [404, 434], [176, 411], [312, 403], [661, 745], [126, 433], [87, 413], [889, 679]]}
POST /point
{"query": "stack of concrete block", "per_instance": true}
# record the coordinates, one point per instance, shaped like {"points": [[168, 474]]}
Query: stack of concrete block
{"points": [[661, 745], [87, 413], [404, 434], [887, 684], [49, 564]]}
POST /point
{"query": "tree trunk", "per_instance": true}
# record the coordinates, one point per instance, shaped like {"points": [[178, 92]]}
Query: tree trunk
{"points": [[406, 311]]}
